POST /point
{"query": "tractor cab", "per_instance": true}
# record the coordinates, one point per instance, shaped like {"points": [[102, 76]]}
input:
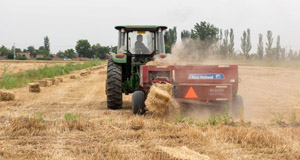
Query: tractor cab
{"points": [[142, 42], [137, 44]]}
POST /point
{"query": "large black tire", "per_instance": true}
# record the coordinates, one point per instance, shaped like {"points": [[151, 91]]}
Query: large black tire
{"points": [[237, 106], [138, 102], [114, 85]]}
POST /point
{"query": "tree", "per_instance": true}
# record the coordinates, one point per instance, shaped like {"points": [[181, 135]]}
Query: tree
{"points": [[277, 49], [269, 45], [170, 37], [60, 54], [206, 35], [114, 49], [185, 34], [100, 51], [42, 51], [282, 54], [167, 48], [47, 45], [290, 55], [260, 47], [32, 51], [231, 43], [206, 32], [224, 48], [83, 48], [5, 52], [220, 36], [193, 35], [246, 43], [70, 53], [18, 50]]}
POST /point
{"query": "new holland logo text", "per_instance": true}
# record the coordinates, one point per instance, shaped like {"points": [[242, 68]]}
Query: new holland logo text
{"points": [[206, 76]]}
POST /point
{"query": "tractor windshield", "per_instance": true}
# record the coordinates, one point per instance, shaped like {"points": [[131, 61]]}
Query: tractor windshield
{"points": [[141, 42]]}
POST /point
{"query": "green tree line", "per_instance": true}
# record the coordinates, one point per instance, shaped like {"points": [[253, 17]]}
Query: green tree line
{"points": [[82, 49], [211, 40]]}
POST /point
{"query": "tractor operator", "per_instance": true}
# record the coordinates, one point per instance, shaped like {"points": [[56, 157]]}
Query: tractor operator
{"points": [[140, 47]]}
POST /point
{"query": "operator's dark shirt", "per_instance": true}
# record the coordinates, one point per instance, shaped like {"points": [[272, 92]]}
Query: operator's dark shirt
{"points": [[140, 48]]}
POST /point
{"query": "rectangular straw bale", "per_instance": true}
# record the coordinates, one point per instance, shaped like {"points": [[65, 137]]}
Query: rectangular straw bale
{"points": [[56, 81], [59, 80], [34, 87], [6, 96], [83, 73], [43, 83], [72, 77], [161, 94], [157, 100], [166, 87], [51, 79]]}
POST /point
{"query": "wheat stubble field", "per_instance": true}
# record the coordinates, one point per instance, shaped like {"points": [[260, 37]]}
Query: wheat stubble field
{"points": [[18, 66], [37, 125]]}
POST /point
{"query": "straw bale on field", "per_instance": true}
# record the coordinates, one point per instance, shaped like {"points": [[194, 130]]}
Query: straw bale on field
{"points": [[73, 77], [158, 98], [43, 83], [59, 80], [6, 96], [52, 81], [34, 87], [84, 73]]}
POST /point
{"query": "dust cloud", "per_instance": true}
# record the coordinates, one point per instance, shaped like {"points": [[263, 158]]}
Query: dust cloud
{"points": [[190, 51]]}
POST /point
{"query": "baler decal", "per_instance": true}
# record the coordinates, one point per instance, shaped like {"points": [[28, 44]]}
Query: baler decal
{"points": [[206, 76], [191, 93]]}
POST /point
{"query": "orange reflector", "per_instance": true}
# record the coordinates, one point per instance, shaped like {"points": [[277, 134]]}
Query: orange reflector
{"points": [[162, 55], [191, 93], [120, 55]]}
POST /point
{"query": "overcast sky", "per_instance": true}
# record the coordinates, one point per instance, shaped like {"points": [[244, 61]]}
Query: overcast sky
{"points": [[26, 22]]}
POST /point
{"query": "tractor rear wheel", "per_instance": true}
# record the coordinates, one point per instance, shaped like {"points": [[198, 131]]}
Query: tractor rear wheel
{"points": [[138, 102], [237, 106], [114, 85]]}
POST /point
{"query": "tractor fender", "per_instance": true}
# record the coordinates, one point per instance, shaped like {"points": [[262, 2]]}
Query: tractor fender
{"points": [[117, 59]]}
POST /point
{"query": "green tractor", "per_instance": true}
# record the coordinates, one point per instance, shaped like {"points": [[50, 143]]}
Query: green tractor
{"points": [[137, 44]]}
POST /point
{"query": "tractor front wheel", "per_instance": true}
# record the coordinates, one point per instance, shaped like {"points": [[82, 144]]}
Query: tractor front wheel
{"points": [[114, 85], [138, 102]]}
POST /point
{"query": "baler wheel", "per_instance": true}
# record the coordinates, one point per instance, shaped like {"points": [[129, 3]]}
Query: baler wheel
{"points": [[138, 102], [114, 86], [237, 107]]}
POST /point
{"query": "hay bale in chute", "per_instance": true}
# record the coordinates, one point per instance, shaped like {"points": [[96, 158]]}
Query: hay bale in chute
{"points": [[6, 96], [158, 98], [34, 87]]}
